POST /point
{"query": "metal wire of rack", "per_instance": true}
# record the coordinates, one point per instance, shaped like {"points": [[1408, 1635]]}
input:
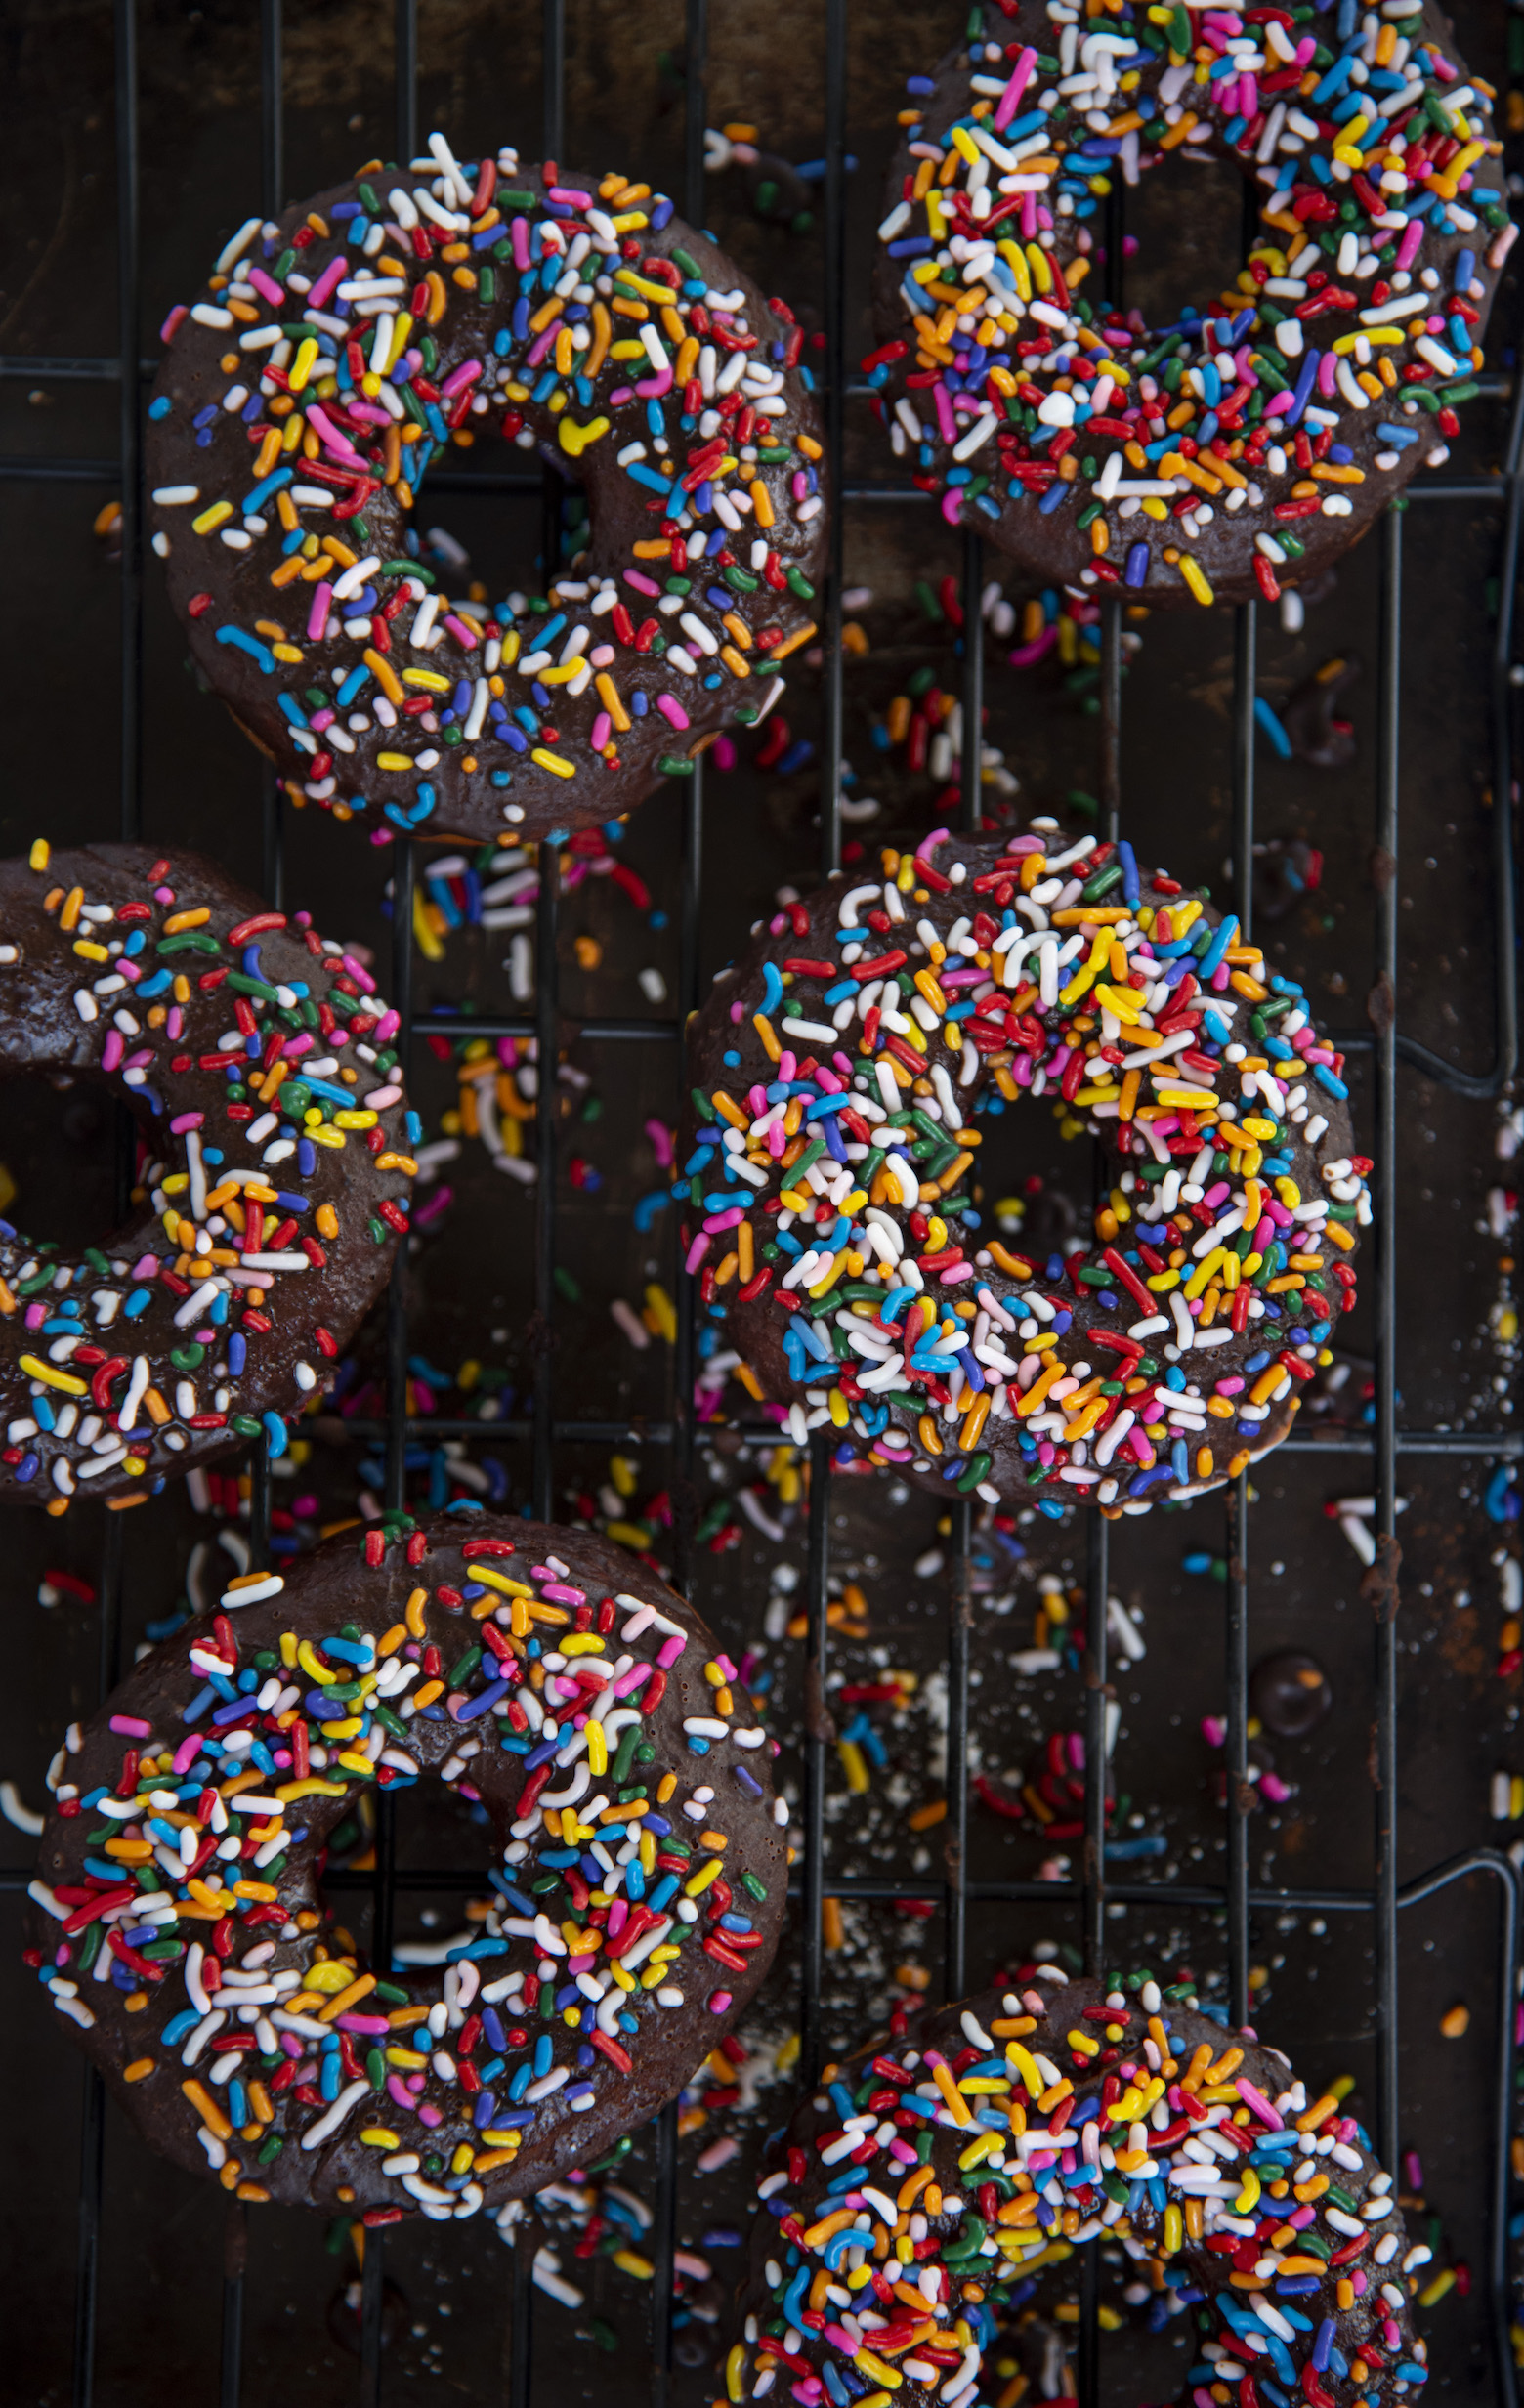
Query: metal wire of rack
{"points": [[543, 1433]]}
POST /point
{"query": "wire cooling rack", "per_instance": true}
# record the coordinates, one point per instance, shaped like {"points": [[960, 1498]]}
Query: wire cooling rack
{"points": [[1393, 1052]]}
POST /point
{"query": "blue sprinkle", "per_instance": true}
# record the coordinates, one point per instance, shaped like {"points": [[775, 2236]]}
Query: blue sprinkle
{"points": [[257, 652], [1271, 726]]}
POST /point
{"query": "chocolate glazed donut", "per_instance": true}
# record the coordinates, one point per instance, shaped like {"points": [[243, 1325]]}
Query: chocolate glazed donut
{"points": [[639, 1886], [257, 1059], [334, 355], [1250, 442], [839, 1072], [914, 2199]]}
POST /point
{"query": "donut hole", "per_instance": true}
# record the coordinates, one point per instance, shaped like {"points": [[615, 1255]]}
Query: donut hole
{"points": [[1191, 219], [58, 1157], [432, 1828], [1034, 1189]]}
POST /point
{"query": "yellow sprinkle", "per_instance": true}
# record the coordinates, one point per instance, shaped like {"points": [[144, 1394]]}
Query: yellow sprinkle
{"points": [[1195, 578], [35, 1369], [303, 365], [40, 855], [552, 762], [210, 518]]}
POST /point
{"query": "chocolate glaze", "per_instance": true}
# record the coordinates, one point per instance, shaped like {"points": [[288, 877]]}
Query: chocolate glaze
{"points": [[324, 1592], [979, 2029], [41, 1030], [1054, 548], [621, 513], [756, 1328]]}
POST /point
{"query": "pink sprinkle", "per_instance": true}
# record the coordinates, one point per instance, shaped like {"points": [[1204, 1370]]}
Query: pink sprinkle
{"points": [[651, 388], [184, 1121], [541, 345], [185, 1754], [175, 318], [1021, 75], [1271, 1786], [398, 2091], [632, 1680], [573, 199], [1327, 370], [669, 1650], [463, 634], [359, 974], [520, 231], [561, 1594], [331, 436], [332, 274], [722, 752], [602, 728], [719, 2005], [696, 1254], [718, 1221], [363, 2023], [661, 1142], [145, 1267], [928, 844], [429, 2115], [317, 616], [111, 1050], [459, 379], [671, 709], [1213, 1730], [1412, 243], [128, 1727], [386, 1028], [174, 1023], [265, 285]]}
